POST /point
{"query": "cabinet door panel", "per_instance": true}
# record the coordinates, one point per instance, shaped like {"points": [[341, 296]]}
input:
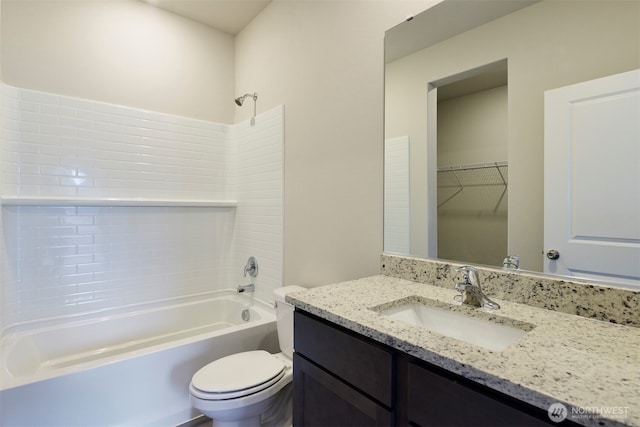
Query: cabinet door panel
{"points": [[365, 365], [439, 400], [322, 400]]}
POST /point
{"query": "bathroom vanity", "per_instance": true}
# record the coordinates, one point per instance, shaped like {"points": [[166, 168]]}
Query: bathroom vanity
{"points": [[343, 378], [355, 365]]}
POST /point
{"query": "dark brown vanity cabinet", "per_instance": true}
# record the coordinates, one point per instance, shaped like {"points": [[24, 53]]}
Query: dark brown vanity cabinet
{"points": [[438, 398], [341, 378]]}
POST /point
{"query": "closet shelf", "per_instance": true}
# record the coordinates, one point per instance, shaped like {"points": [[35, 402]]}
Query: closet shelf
{"points": [[473, 166], [478, 174], [453, 180], [117, 202]]}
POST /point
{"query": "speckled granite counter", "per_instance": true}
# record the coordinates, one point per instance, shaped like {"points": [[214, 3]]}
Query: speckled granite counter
{"points": [[586, 364], [587, 299]]}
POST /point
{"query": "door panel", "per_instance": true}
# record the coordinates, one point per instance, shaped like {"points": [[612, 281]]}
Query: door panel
{"points": [[592, 179]]}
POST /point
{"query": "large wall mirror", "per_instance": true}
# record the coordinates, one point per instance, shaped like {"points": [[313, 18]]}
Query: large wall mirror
{"points": [[465, 85]]}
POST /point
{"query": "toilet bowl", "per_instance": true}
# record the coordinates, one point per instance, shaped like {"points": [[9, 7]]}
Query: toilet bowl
{"points": [[252, 388]]}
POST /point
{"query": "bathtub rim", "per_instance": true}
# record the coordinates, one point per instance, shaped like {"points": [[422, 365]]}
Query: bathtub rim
{"points": [[28, 325], [266, 311]]}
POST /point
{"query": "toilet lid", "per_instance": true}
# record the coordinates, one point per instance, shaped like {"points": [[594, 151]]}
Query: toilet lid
{"points": [[239, 372]]}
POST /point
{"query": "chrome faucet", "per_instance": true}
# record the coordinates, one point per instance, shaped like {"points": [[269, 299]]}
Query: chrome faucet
{"points": [[245, 288], [511, 262], [471, 291], [251, 267]]}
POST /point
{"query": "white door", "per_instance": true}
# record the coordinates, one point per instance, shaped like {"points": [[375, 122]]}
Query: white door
{"points": [[592, 179]]}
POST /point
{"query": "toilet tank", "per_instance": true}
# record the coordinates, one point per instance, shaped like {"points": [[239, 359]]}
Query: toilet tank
{"points": [[284, 315]]}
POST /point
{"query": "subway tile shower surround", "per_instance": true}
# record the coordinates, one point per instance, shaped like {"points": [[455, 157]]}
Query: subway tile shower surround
{"points": [[60, 146], [62, 259]]}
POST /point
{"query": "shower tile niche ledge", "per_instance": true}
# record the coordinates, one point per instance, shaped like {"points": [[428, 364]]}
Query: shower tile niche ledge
{"points": [[115, 201]]}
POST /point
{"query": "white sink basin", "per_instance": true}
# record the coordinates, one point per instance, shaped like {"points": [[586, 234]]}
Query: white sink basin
{"points": [[480, 332]]}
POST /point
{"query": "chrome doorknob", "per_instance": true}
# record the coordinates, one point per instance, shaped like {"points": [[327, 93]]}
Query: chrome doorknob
{"points": [[553, 254]]}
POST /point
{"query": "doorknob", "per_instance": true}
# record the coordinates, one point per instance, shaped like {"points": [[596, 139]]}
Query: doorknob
{"points": [[553, 254]]}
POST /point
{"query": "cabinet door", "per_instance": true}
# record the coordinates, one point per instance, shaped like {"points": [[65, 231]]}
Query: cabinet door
{"points": [[439, 399], [322, 400], [353, 358]]}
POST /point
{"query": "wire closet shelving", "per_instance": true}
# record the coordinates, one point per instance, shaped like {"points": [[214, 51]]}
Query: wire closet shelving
{"points": [[452, 180]]}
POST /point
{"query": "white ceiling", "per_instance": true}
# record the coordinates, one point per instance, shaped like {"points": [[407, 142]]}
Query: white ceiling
{"points": [[442, 21], [229, 16]]}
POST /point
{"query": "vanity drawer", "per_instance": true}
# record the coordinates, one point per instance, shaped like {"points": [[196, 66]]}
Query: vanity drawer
{"points": [[363, 365], [439, 398]]}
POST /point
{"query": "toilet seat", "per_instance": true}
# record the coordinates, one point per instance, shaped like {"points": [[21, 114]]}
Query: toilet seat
{"points": [[237, 375]]}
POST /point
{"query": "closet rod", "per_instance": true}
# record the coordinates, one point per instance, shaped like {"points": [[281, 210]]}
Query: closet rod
{"points": [[473, 166]]}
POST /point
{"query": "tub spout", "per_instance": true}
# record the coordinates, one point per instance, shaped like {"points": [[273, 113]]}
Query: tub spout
{"points": [[246, 288]]}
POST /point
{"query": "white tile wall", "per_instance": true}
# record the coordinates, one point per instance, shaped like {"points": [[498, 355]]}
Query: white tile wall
{"points": [[258, 182], [65, 260], [397, 199], [60, 146]]}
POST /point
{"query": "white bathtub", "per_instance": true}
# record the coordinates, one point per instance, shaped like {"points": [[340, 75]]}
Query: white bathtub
{"points": [[129, 368]]}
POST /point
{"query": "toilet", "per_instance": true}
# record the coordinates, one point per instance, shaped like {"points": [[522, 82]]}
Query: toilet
{"points": [[252, 388]]}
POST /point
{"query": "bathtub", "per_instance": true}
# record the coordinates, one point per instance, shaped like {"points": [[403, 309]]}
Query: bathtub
{"points": [[129, 367]]}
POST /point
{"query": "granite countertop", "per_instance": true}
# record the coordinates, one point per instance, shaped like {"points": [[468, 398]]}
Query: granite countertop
{"points": [[590, 366]]}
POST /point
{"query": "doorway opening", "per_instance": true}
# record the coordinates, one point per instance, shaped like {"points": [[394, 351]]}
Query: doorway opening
{"points": [[471, 170]]}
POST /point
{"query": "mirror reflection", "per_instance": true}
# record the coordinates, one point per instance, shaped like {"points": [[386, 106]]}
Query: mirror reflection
{"points": [[472, 166], [465, 123]]}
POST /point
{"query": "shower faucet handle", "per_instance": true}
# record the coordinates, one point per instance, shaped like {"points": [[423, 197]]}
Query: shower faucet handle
{"points": [[251, 267]]}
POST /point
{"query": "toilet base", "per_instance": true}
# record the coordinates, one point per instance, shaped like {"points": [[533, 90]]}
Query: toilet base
{"points": [[276, 411], [280, 414], [247, 422]]}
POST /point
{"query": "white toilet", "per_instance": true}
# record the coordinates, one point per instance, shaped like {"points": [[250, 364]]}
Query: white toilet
{"points": [[252, 388]]}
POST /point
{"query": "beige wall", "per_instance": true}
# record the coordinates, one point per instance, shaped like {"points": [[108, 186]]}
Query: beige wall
{"points": [[473, 128], [324, 61], [124, 52], [548, 45]]}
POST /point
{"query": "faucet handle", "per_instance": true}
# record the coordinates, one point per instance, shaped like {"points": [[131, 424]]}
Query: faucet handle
{"points": [[511, 262], [463, 286], [251, 267], [469, 274]]}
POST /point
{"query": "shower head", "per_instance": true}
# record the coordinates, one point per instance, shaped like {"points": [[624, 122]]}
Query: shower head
{"points": [[240, 99]]}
